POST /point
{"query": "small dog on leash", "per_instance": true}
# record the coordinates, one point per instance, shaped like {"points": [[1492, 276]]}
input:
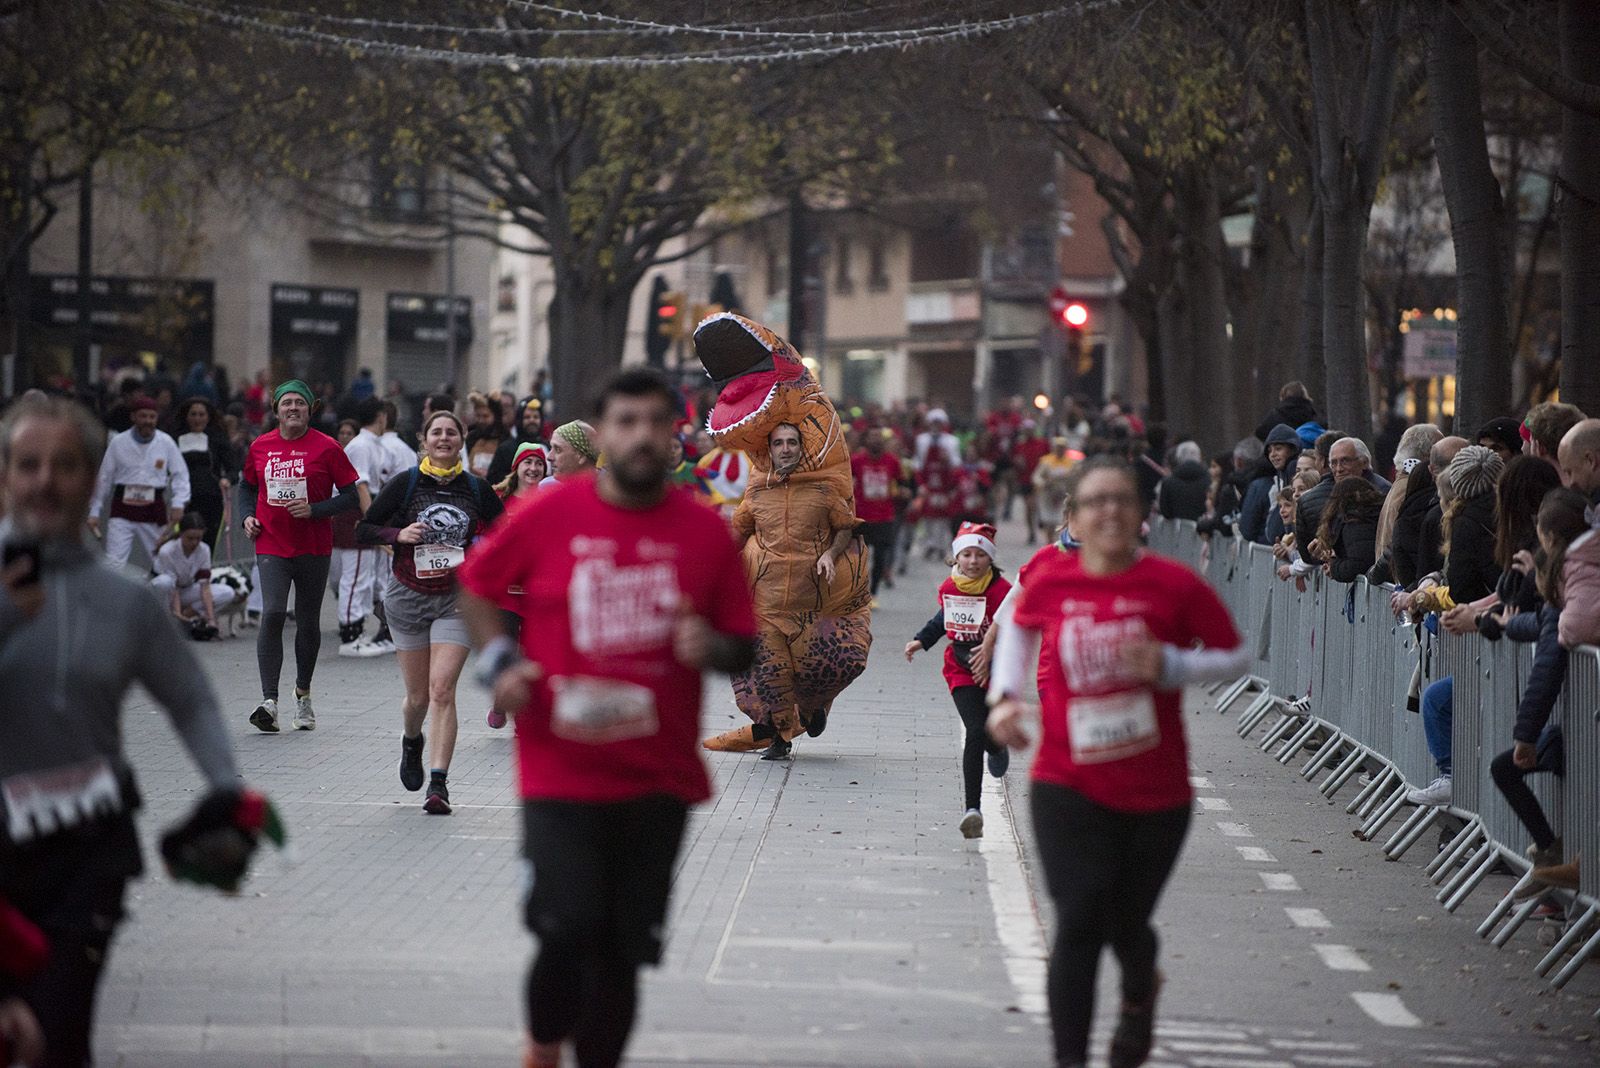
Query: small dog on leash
{"points": [[230, 618]]}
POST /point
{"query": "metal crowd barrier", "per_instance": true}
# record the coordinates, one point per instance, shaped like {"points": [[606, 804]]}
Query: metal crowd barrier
{"points": [[1335, 673]]}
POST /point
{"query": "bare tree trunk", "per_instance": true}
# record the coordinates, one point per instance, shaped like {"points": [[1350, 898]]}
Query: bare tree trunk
{"points": [[1352, 91], [1265, 299], [1212, 402], [1579, 180], [588, 330], [1477, 220], [1309, 366]]}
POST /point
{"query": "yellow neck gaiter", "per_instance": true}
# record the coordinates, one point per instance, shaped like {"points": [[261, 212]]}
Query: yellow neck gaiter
{"points": [[969, 586], [443, 474]]}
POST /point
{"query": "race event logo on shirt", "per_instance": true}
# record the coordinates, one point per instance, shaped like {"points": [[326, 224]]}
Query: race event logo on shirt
{"points": [[1091, 653], [291, 468], [623, 609]]}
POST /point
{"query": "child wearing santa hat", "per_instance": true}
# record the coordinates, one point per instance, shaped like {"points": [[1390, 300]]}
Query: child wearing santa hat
{"points": [[968, 601]]}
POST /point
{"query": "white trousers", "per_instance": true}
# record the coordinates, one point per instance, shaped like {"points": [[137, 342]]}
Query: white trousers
{"points": [[122, 533], [221, 594], [358, 570]]}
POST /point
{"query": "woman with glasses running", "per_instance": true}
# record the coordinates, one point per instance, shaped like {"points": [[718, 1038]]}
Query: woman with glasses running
{"points": [[1111, 795]]}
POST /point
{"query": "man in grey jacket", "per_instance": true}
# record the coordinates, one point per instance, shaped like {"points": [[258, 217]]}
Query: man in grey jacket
{"points": [[74, 636]]}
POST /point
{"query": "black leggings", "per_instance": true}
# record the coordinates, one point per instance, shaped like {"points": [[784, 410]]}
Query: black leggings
{"points": [[974, 711], [309, 576], [1105, 870], [880, 537], [1509, 778], [596, 1012]]}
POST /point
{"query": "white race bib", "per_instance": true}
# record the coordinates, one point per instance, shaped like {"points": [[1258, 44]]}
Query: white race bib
{"points": [[601, 710], [282, 492], [1114, 727], [40, 803], [963, 616], [437, 561], [875, 484], [138, 495]]}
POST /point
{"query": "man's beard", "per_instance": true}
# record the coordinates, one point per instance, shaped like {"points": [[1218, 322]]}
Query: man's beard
{"points": [[640, 474]]}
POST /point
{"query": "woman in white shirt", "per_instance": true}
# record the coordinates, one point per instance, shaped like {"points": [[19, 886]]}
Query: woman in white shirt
{"points": [[183, 575]]}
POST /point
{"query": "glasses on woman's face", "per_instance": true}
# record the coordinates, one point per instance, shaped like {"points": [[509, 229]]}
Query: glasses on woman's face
{"points": [[1097, 501]]}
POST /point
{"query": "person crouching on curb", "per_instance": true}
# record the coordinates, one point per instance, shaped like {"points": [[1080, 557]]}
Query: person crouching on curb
{"points": [[968, 601]]}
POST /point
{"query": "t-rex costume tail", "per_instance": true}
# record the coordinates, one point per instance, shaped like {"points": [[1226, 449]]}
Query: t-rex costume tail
{"points": [[815, 634]]}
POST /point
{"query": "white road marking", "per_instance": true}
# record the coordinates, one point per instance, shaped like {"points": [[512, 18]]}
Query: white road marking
{"points": [[1278, 880], [1317, 1061], [1387, 1009], [1308, 918], [1234, 1062], [1021, 935], [1256, 853], [1235, 830], [1341, 958], [1301, 1043], [1200, 782], [1214, 804], [1451, 1059], [1165, 1031], [1213, 1047], [812, 945]]}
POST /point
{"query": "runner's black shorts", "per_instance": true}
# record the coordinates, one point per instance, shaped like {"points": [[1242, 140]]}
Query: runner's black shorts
{"points": [[602, 872]]}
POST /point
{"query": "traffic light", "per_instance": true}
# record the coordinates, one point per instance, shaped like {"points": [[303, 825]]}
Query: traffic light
{"points": [[1075, 316], [666, 323]]}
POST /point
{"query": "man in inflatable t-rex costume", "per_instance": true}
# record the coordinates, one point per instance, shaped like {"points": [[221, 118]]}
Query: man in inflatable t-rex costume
{"points": [[797, 522]]}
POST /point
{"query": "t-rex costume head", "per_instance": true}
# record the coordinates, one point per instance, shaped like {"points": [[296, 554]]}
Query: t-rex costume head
{"points": [[761, 384]]}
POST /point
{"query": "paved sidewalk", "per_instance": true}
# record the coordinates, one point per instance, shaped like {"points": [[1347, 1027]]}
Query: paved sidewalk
{"points": [[826, 912]]}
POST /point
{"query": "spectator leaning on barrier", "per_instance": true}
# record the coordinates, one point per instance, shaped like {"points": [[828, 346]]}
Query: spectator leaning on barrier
{"points": [[1430, 555], [1257, 513], [1538, 742], [1230, 492], [1182, 494], [1578, 458], [1409, 454], [1544, 427], [1470, 571], [1349, 531], [1347, 458]]}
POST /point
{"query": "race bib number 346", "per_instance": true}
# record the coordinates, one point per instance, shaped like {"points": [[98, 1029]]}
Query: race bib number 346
{"points": [[282, 492]]}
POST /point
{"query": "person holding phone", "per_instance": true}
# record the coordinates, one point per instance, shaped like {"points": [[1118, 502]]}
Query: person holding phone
{"points": [[143, 484], [295, 480], [74, 638]]}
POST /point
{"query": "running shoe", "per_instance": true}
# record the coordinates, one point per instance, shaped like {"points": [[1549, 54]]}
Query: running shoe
{"points": [[999, 761], [265, 717], [377, 646], [364, 647], [1131, 1042], [305, 719], [780, 749], [411, 775], [1434, 795], [496, 719], [1546, 858], [972, 824], [437, 803]]}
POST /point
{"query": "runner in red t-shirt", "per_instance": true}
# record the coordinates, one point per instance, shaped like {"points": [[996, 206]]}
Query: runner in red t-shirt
{"points": [[1111, 794], [877, 479], [1029, 449], [295, 480], [630, 590], [968, 600]]}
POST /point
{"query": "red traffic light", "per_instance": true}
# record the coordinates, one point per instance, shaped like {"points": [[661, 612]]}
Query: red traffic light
{"points": [[1075, 315], [667, 311]]}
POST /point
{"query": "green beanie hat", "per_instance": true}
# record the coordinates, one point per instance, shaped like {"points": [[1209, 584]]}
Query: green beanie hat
{"points": [[294, 385]]}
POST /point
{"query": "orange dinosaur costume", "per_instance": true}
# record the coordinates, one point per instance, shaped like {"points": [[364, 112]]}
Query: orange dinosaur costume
{"points": [[815, 634]]}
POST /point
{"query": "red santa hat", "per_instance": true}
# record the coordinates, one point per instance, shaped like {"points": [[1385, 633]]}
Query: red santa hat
{"points": [[975, 535]]}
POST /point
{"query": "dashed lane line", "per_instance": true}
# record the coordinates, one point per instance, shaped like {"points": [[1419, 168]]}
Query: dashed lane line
{"points": [[1386, 1009], [1256, 854], [1236, 830], [1341, 958], [1214, 804], [1308, 918], [1279, 880]]}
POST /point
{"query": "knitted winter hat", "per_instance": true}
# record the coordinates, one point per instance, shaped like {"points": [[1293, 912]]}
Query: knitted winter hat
{"points": [[1474, 471], [529, 448], [975, 535]]}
